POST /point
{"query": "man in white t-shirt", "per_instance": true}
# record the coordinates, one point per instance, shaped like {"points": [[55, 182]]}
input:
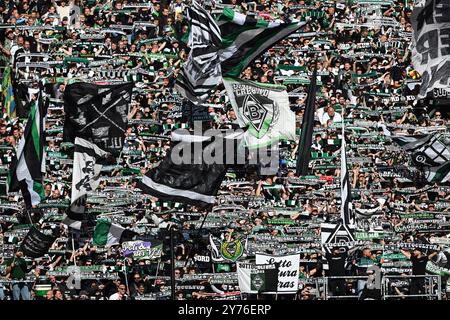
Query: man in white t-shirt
{"points": [[120, 294], [330, 114]]}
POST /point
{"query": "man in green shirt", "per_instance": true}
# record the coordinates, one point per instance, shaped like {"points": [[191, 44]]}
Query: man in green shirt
{"points": [[16, 270], [367, 260]]}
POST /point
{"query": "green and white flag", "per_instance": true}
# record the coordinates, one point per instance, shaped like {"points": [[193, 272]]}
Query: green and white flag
{"points": [[264, 109], [26, 172], [245, 37], [109, 234], [254, 278], [225, 46], [438, 174]]}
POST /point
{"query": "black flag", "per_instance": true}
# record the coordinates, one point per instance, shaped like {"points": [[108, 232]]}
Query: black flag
{"points": [[22, 99], [97, 113], [36, 243], [304, 148], [193, 179]]}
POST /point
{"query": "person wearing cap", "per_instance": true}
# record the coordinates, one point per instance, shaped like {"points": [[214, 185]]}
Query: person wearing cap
{"points": [[419, 265]]}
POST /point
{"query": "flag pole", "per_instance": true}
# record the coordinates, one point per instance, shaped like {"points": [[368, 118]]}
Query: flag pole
{"points": [[73, 250], [206, 215], [172, 265], [157, 270], [126, 275]]}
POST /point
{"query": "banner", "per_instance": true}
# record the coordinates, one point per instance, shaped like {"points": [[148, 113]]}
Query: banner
{"points": [[287, 272], [142, 250], [226, 250], [431, 46], [264, 109], [97, 113], [254, 278], [36, 244]]}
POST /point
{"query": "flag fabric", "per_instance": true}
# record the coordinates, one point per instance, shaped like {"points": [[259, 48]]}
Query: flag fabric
{"points": [[8, 93], [72, 223], [224, 47], [347, 214], [438, 174], [430, 55], [334, 234], [201, 72], [185, 175], [226, 251], [97, 113], [27, 169], [87, 162], [288, 269], [109, 234], [253, 278], [36, 243], [214, 244], [264, 109], [245, 37], [426, 150], [429, 152], [22, 99], [304, 147]]}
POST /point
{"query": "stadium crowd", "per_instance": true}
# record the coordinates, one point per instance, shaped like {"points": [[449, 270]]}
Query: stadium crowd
{"points": [[361, 50]]}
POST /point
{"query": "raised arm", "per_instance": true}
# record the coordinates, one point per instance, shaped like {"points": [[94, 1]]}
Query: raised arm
{"points": [[431, 255], [406, 253]]}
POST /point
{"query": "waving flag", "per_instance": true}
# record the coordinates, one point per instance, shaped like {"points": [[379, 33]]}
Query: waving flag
{"points": [[224, 47], [26, 172], [190, 178], [245, 37], [430, 152], [264, 109], [347, 214], [304, 148], [87, 163], [430, 54], [97, 113], [201, 73], [109, 234]]}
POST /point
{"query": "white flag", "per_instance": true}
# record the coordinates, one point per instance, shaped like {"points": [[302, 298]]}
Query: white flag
{"points": [[264, 109]]}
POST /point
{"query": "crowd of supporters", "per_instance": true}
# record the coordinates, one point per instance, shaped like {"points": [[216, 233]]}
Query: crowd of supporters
{"points": [[362, 53]]}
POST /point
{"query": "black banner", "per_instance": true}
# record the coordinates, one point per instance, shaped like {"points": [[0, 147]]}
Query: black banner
{"points": [[97, 113], [36, 244]]}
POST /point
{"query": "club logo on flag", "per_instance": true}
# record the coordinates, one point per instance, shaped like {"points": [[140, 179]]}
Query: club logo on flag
{"points": [[257, 282], [260, 112], [226, 250], [232, 250], [420, 158]]}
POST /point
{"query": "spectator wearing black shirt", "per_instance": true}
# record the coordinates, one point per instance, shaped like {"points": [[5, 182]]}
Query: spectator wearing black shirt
{"points": [[336, 268], [419, 264]]}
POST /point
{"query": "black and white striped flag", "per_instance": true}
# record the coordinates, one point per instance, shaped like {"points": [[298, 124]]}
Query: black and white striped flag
{"points": [[87, 163], [201, 72], [347, 214]]}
